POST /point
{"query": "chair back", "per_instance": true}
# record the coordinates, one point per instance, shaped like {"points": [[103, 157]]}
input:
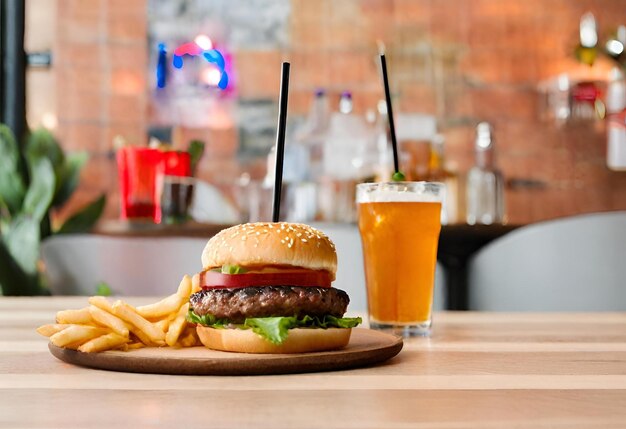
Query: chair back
{"points": [[131, 266], [571, 264]]}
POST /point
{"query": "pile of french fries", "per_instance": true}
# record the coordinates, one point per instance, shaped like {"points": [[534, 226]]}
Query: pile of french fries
{"points": [[105, 326]]}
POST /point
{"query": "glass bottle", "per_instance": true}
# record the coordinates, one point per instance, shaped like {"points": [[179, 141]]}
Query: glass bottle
{"points": [[485, 184], [437, 172], [314, 131], [346, 162], [345, 103], [347, 143]]}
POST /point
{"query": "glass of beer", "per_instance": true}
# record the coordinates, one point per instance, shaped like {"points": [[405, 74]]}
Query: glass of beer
{"points": [[399, 224]]}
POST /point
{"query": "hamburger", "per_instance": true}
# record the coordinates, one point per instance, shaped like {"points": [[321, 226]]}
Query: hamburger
{"points": [[266, 288]]}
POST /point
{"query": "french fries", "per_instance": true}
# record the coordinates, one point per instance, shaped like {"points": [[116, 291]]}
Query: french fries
{"points": [[140, 336], [166, 306], [102, 303], [195, 283], [76, 334], [119, 326], [163, 324], [116, 324], [184, 288], [177, 326], [130, 315], [77, 317], [50, 330], [189, 338], [103, 342]]}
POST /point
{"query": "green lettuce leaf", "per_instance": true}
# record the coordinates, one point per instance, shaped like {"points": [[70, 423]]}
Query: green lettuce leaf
{"points": [[206, 320], [276, 329], [342, 322], [232, 269]]}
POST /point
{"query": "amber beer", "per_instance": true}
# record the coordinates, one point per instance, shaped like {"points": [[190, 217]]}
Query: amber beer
{"points": [[399, 224]]}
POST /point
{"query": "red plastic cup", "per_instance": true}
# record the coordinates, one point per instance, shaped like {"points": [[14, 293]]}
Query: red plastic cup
{"points": [[140, 172]]}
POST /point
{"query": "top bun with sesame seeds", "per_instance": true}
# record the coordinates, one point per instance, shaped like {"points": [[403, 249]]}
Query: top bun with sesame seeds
{"points": [[271, 244]]}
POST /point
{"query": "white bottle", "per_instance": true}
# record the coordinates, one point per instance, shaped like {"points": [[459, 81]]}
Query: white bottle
{"points": [[616, 121], [313, 131], [485, 184], [348, 144]]}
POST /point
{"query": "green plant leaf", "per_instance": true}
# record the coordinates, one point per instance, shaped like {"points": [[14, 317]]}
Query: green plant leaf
{"points": [[13, 280], [5, 214], [21, 238], [41, 189], [85, 218], [195, 149], [103, 289], [67, 177], [12, 187], [41, 143]]}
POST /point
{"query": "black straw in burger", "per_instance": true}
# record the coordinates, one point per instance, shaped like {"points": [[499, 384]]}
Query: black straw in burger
{"points": [[266, 288]]}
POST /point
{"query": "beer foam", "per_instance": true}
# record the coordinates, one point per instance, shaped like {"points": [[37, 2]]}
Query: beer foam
{"points": [[398, 192]]}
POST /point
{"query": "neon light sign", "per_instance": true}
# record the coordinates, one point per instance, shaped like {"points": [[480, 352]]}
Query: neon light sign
{"points": [[202, 47], [212, 56], [161, 72]]}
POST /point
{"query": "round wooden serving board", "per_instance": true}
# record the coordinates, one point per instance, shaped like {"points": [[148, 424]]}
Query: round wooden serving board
{"points": [[366, 347]]}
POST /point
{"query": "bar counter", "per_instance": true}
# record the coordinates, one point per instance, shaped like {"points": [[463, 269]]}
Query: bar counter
{"points": [[478, 370]]}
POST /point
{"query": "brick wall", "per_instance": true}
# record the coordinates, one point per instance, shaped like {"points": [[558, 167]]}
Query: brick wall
{"points": [[462, 60], [100, 61]]}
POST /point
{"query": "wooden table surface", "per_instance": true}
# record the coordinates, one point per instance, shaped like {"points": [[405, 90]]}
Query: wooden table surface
{"points": [[489, 370]]}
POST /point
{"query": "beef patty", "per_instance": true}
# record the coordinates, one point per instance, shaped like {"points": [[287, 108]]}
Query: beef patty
{"points": [[237, 304]]}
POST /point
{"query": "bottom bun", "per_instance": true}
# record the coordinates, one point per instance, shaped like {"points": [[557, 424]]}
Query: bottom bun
{"points": [[298, 341]]}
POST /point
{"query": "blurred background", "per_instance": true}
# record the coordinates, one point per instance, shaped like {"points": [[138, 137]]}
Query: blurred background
{"points": [[460, 62], [518, 106]]}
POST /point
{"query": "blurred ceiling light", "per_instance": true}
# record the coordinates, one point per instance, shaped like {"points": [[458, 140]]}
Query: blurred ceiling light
{"points": [[49, 120], [211, 76], [614, 47], [203, 41], [588, 31]]}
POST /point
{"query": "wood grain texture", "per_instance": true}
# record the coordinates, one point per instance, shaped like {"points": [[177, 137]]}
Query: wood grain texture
{"points": [[487, 370], [366, 347]]}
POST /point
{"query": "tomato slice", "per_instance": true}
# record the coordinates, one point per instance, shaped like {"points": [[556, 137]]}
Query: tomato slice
{"points": [[216, 280]]}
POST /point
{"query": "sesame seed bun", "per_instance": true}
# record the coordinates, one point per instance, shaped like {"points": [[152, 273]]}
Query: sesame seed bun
{"points": [[298, 341], [264, 243]]}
